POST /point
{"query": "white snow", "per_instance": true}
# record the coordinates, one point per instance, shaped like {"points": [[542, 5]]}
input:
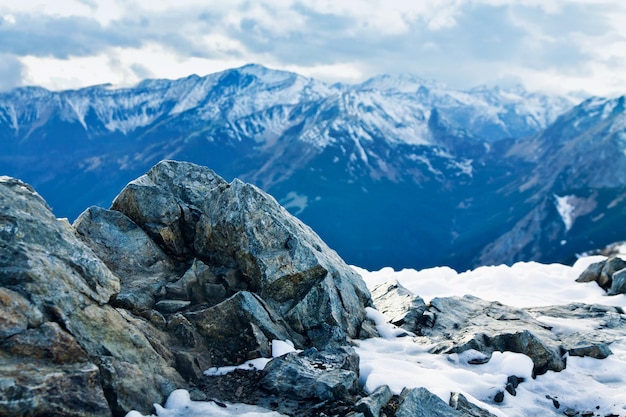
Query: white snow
{"points": [[399, 359], [585, 384], [179, 404], [295, 202]]}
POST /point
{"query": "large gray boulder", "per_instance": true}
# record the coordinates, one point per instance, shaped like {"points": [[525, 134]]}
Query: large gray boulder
{"points": [[595, 343], [57, 332], [194, 214]]}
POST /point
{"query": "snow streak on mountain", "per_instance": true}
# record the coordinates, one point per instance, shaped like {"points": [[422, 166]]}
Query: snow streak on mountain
{"points": [[394, 171]]}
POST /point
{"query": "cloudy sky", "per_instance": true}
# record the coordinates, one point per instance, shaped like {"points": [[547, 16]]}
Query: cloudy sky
{"points": [[551, 45]]}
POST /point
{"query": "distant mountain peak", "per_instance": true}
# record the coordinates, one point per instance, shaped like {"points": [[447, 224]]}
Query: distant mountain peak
{"points": [[402, 83]]}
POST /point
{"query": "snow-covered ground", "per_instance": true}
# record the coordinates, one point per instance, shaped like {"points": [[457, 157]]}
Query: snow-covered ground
{"points": [[587, 384]]}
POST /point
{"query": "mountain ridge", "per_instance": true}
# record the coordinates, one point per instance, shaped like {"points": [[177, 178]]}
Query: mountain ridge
{"points": [[393, 171]]}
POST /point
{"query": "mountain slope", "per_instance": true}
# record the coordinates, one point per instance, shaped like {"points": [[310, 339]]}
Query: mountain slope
{"points": [[576, 182], [394, 171]]}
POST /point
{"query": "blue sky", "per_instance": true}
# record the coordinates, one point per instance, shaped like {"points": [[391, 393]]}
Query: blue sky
{"points": [[556, 46]]}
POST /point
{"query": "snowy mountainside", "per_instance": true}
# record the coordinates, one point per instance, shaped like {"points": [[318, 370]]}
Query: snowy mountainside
{"points": [[394, 162], [575, 184]]}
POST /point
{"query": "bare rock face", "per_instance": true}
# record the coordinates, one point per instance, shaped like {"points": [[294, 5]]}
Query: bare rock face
{"points": [[467, 322], [312, 374], [249, 242], [57, 328]]}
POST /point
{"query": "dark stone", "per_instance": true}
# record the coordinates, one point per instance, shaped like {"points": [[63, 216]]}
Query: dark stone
{"points": [[371, 405], [512, 382], [325, 375], [618, 284], [239, 326], [499, 397], [421, 402]]}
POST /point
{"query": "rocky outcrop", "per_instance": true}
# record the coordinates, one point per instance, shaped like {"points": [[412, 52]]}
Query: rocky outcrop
{"points": [[609, 274], [249, 240], [183, 273], [464, 323], [63, 347], [458, 324]]}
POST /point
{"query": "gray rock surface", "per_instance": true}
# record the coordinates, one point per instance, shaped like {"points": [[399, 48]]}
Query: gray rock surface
{"points": [[618, 283], [185, 272], [402, 307], [241, 328], [610, 326], [312, 374], [467, 322], [421, 402], [59, 329], [460, 403], [193, 213], [371, 405], [141, 265]]}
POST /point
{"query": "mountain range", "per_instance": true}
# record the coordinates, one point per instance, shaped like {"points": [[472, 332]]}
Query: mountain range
{"points": [[395, 171]]}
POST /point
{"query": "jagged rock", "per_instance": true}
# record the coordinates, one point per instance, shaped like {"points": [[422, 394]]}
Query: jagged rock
{"points": [[421, 402], [460, 403], [312, 374], [44, 388], [402, 307], [241, 328], [464, 323], [141, 265], [194, 213], [603, 274], [184, 272], [63, 288], [371, 405]]}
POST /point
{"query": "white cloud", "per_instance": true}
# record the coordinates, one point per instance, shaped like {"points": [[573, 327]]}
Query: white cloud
{"points": [[116, 67], [558, 45]]}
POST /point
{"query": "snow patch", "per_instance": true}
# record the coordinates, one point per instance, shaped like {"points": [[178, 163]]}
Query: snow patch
{"points": [[566, 210], [294, 202], [179, 404]]}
